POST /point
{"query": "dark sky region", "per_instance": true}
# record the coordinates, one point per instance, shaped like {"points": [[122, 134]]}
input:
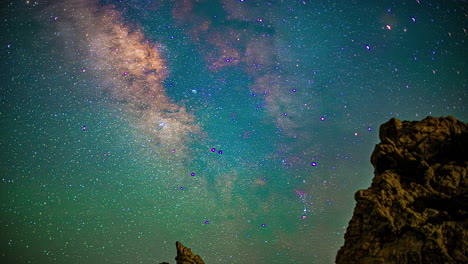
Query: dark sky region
{"points": [[241, 128]]}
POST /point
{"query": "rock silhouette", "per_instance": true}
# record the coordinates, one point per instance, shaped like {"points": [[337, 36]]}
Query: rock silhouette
{"points": [[415, 210], [186, 256]]}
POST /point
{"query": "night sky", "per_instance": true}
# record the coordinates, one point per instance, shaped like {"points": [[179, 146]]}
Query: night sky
{"points": [[241, 128]]}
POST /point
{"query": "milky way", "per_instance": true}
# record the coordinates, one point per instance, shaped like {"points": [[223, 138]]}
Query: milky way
{"points": [[240, 128], [130, 69]]}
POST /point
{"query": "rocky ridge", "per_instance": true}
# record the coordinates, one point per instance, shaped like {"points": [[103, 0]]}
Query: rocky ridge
{"points": [[415, 210], [185, 255]]}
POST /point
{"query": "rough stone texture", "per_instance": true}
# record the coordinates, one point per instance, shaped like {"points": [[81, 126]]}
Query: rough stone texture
{"points": [[186, 256], [416, 208]]}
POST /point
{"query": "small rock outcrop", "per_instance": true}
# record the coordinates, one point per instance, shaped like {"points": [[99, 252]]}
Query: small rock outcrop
{"points": [[416, 209], [186, 256]]}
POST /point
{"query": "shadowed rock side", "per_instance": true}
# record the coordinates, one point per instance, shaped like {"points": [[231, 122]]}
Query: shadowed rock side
{"points": [[186, 256], [416, 208]]}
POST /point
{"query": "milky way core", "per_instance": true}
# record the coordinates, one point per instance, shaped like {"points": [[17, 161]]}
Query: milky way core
{"points": [[131, 70]]}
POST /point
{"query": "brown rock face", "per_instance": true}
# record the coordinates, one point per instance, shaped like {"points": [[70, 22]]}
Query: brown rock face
{"points": [[186, 256], [416, 210]]}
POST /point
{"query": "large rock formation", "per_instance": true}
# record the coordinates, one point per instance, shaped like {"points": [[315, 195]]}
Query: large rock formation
{"points": [[416, 208], [186, 256]]}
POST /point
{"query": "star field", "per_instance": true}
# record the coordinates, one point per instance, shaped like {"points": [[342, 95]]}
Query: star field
{"points": [[241, 128]]}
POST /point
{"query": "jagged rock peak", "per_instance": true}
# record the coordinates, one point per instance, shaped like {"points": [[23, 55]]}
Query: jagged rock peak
{"points": [[416, 209], [186, 256]]}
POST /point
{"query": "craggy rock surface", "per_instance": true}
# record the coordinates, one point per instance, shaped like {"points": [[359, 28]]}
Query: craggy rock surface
{"points": [[416, 208], [186, 256]]}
